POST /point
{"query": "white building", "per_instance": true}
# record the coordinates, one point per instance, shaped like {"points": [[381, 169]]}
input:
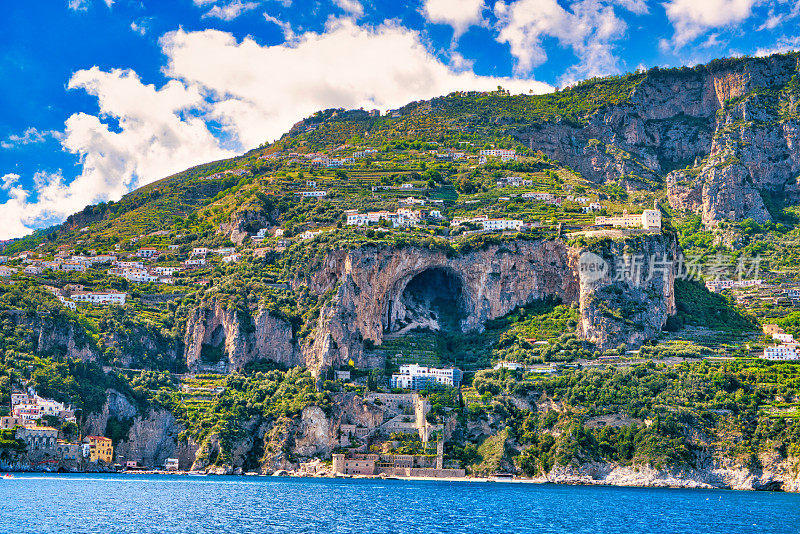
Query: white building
{"points": [[73, 266], [783, 338], [232, 258], [167, 270], [647, 219], [313, 194], [780, 353], [99, 297], [413, 376], [545, 197], [504, 155], [33, 269], [128, 265], [147, 252], [594, 206], [69, 304], [715, 286], [195, 262], [501, 224], [199, 251], [401, 217]]}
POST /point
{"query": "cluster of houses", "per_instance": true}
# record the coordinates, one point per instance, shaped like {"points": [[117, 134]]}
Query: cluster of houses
{"points": [[401, 217], [715, 286], [785, 350], [42, 443]]}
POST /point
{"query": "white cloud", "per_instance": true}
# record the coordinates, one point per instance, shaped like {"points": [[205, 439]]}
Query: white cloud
{"points": [[260, 91], [352, 7], [7, 180], [83, 5], [286, 28], [230, 10], [460, 14], [589, 29], [140, 26], [142, 133], [782, 45], [29, 136], [692, 18], [155, 137]]}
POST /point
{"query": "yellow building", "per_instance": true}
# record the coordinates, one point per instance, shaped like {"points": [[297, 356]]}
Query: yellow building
{"points": [[100, 448]]}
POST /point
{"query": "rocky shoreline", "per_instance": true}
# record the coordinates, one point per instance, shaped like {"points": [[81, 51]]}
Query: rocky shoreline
{"points": [[587, 475]]}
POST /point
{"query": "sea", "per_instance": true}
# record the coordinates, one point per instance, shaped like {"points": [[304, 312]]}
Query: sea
{"points": [[108, 504]]}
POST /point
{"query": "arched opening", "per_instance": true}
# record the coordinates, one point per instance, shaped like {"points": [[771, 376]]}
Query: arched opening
{"points": [[433, 299]]}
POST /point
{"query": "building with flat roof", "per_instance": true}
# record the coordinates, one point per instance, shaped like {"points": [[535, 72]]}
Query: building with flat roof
{"points": [[413, 376]]}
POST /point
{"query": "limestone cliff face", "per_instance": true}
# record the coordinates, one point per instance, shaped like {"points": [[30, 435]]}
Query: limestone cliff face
{"points": [[237, 340], [734, 123], [52, 334], [153, 437], [632, 300], [372, 292], [371, 282], [117, 406]]}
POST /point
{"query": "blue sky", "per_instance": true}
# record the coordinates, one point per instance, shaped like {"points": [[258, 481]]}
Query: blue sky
{"points": [[100, 96]]}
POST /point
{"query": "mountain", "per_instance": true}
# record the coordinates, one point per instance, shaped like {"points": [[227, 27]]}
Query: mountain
{"points": [[263, 278]]}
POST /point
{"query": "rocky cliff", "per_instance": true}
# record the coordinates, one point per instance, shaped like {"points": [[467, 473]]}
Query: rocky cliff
{"points": [[380, 290], [383, 290], [219, 339], [720, 135]]}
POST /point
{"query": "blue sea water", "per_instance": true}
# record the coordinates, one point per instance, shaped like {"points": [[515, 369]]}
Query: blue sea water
{"points": [[159, 503]]}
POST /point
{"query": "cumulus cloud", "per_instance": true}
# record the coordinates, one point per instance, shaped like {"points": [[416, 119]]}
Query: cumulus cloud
{"points": [[260, 91], [230, 10], [7, 180], [154, 136], [692, 18], [29, 136], [589, 28], [142, 132], [352, 7], [460, 14]]}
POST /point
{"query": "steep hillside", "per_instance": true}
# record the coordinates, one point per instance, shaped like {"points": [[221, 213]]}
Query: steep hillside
{"points": [[470, 230]]}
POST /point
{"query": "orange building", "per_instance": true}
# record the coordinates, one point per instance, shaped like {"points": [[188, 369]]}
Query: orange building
{"points": [[100, 448]]}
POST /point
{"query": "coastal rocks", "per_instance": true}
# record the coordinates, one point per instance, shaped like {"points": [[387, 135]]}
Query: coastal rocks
{"points": [[721, 475], [219, 339]]}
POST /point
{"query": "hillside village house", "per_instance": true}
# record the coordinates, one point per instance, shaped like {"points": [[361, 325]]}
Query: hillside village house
{"points": [[38, 437], [401, 217], [504, 155], [73, 266], [99, 297], [314, 194], [648, 219], [413, 376], [781, 353], [199, 251], [147, 252], [194, 262]]}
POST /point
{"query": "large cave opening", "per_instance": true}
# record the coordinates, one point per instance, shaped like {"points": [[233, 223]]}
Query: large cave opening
{"points": [[432, 300]]}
